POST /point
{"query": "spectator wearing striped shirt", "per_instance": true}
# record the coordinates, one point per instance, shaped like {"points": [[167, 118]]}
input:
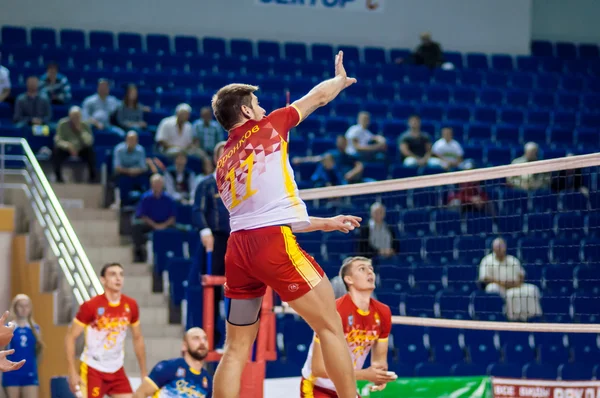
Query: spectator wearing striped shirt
{"points": [[55, 85], [207, 131]]}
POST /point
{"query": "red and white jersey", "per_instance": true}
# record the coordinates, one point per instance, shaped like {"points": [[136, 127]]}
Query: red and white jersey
{"points": [[362, 330], [106, 326], [254, 175]]}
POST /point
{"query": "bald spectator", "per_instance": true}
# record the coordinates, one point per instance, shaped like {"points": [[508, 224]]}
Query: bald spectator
{"points": [[32, 107], [503, 274], [530, 182], [97, 108], [377, 238], [55, 85], [207, 131], [175, 134], [73, 139], [156, 210], [362, 143], [4, 83]]}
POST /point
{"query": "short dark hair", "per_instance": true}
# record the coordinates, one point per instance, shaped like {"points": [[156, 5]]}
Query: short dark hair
{"points": [[415, 115], [228, 101], [52, 64], [347, 266], [106, 266]]}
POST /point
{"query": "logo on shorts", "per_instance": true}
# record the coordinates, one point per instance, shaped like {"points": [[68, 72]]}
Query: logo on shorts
{"points": [[101, 311], [292, 287], [180, 372]]}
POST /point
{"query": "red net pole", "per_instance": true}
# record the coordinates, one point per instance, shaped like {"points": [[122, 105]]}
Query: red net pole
{"points": [[208, 312]]}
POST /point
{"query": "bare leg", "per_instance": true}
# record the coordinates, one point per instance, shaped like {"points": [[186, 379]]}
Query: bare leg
{"points": [[317, 307], [30, 392], [228, 376], [121, 396], [13, 392]]}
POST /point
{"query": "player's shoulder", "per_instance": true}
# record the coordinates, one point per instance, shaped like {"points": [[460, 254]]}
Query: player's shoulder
{"points": [[96, 301], [343, 302], [128, 299], [381, 307], [168, 365]]}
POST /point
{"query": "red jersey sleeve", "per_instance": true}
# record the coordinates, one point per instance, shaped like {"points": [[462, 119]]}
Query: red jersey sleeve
{"points": [[284, 119], [386, 321], [135, 312], [85, 315]]}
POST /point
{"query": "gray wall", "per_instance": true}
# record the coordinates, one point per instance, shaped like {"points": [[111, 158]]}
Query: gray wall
{"points": [[566, 20]]}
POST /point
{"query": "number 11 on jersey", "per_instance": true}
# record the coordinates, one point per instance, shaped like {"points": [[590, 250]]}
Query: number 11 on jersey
{"points": [[249, 161]]}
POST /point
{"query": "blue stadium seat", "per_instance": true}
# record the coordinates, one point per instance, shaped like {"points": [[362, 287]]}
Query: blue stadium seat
{"points": [[158, 44], [474, 152], [509, 370], [418, 74], [431, 112], [392, 300], [499, 156], [528, 64], [569, 224], [471, 78], [478, 224], [383, 92], [519, 354], [483, 354], [336, 125], [551, 65], [575, 371], [367, 72], [538, 117], [72, 38], [547, 82], [241, 47], [556, 309], [447, 222], [591, 247], [376, 171], [374, 55], [458, 113], [533, 250], [541, 225], [410, 352], [485, 115], [566, 50], [425, 197], [479, 132], [487, 306], [575, 67], [166, 244], [590, 119], [491, 97], [585, 348], [415, 222], [396, 53], [467, 369], [542, 48], [429, 369], [392, 130], [43, 38], [502, 62], [589, 51], [213, 46], [542, 100], [496, 79], [418, 305], [553, 354], [184, 214], [297, 336], [586, 278], [522, 80], [591, 101], [129, 41], [186, 45], [510, 224], [455, 58], [269, 49], [445, 77], [564, 119], [568, 101], [517, 98], [513, 200], [453, 305], [539, 371], [536, 134], [178, 269], [321, 52], [471, 248], [558, 279], [399, 171], [438, 95], [448, 354], [13, 36], [339, 245], [102, 40], [351, 54], [402, 111], [410, 93], [512, 116], [428, 278]]}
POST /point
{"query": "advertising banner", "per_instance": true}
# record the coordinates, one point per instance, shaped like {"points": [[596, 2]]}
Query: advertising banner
{"points": [[439, 387], [343, 5], [518, 388]]}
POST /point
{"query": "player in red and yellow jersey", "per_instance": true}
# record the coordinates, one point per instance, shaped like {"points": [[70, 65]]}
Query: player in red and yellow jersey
{"points": [[367, 324], [256, 183], [105, 320]]}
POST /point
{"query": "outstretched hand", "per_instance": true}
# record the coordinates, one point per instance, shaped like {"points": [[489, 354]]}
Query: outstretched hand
{"points": [[341, 71], [6, 330], [9, 366], [342, 223]]}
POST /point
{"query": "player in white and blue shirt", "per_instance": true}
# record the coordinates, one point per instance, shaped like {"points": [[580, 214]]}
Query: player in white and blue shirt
{"points": [[183, 377], [26, 342]]}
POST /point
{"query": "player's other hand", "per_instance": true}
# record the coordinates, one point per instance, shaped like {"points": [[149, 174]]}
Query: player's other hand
{"points": [[6, 330], [9, 366], [379, 376], [341, 71], [208, 241], [74, 382], [343, 223]]}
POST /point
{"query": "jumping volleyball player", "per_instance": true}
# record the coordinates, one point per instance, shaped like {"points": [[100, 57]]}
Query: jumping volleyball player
{"points": [[256, 183], [367, 324]]}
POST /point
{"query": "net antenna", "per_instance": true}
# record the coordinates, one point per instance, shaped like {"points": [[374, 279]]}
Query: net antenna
{"points": [[509, 203]]}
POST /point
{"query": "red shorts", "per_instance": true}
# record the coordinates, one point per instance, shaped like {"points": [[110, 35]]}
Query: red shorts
{"points": [[97, 384], [309, 390], [268, 256]]}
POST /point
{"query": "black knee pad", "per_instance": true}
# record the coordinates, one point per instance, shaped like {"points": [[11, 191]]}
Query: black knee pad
{"points": [[242, 312]]}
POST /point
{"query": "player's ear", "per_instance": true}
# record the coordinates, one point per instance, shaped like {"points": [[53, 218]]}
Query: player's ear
{"points": [[247, 112], [348, 279]]}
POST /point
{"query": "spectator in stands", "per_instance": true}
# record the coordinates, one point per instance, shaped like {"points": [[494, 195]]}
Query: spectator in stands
{"points": [[73, 139], [175, 134], [327, 173], [529, 182], [450, 152], [377, 238], [471, 198], [211, 218], [156, 210], [32, 107], [129, 115], [503, 274], [4, 84], [179, 180], [569, 180], [362, 143], [55, 85], [415, 146], [97, 108], [428, 53], [207, 131], [349, 165], [129, 157]]}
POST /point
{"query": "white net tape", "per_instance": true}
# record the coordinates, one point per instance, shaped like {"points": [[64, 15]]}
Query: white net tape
{"points": [[437, 253]]}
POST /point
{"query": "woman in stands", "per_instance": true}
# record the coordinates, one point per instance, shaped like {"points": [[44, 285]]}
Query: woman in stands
{"points": [[130, 114], [27, 343]]}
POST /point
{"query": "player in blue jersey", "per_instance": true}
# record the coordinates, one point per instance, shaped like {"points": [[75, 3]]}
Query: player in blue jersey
{"points": [[183, 377], [27, 345]]}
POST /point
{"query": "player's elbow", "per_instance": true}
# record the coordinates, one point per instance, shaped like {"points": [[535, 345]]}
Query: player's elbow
{"points": [[321, 98]]}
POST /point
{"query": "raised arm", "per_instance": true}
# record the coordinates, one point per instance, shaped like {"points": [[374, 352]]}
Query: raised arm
{"points": [[326, 91]]}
